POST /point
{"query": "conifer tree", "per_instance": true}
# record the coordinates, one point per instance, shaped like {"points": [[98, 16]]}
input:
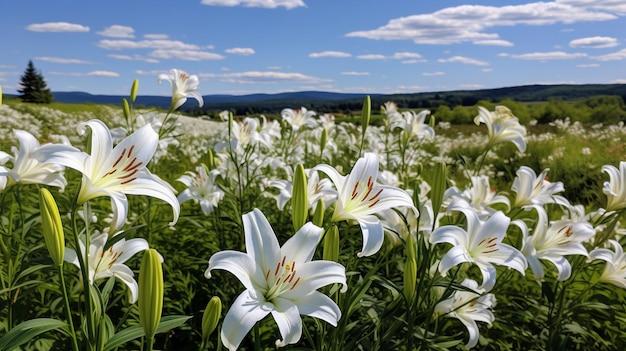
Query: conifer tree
{"points": [[34, 87]]}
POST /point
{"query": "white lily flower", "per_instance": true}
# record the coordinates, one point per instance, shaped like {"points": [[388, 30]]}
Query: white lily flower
{"points": [[536, 190], [183, 87], [27, 166], [478, 196], [414, 124], [615, 269], [502, 126], [116, 171], [282, 281], [299, 118], [317, 189], [360, 197], [201, 187], [469, 307], [110, 262], [615, 188], [563, 237], [481, 244]]}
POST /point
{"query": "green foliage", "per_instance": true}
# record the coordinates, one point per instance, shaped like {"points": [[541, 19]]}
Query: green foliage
{"points": [[33, 87]]}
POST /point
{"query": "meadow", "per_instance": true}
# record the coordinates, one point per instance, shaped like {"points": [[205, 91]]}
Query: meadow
{"points": [[125, 229]]}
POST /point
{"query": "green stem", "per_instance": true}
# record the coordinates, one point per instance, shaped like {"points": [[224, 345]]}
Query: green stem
{"points": [[68, 310], [257, 337]]}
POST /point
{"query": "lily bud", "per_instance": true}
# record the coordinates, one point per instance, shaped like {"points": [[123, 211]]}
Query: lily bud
{"points": [[318, 216], [150, 291], [133, 91], [323, 140], [52, 226], [211, 160], [126, 109], [438, 187], [366, 112], [211, 316], [410, 269], [299, 199], [0, 95], [331, 244]]}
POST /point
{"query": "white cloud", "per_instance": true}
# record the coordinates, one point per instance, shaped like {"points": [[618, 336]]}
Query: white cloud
{"points": [[156, 36], [133, 58], [269, 4], [589, 65], [103, 74], [552, 55], [493, 42], [406, 55], [433, 74], [471, 86], [57, 27], [241, 51], [619, 81], [371, 57], [352, 73], [187, 55], [616, 6], [469, 22], [465, 60], [268, 77], [118, 31], [339, 54], [594, 42], [145, 44], [63, 60], [615, 56]]}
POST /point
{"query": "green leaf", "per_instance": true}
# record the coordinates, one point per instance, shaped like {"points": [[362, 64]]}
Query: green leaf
{"points": [[26, 331], [128, 334]]}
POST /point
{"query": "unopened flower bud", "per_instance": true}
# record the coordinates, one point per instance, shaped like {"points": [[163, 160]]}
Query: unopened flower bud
{"points": [[318, 215], [331, 244], [211, 316], [52, 226], [299, 199], [150, 291], [410, 269], [133, 91]]}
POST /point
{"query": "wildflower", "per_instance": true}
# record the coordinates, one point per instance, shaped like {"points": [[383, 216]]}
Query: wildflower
{"points": [[299, 118], [480, 244], [615, 188], [615, 269], [360, 197], [201, 187], [28, 168], [183, 87], [502, 126], [413, 124], [563, 237], [110, 262], [479, 196], [317, 189], [533, 190], [282, 281], [116, 171], [469, 306]]}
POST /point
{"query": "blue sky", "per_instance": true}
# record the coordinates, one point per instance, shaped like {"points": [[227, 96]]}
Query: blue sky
{"points": [[353, 46]]}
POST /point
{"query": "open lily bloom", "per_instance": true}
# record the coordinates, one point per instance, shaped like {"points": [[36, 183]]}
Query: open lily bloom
{"points": [[469, 306], [532, 189], [183, 87], [481, 244], [563, 237], [615, 188], [299, 118], [360, 197], [116, 171], [317, 189], [282, 281], [615, 269], [110, 262], [201, 187], [27, 166], [478, 196], [502, 126], [414, 124]]}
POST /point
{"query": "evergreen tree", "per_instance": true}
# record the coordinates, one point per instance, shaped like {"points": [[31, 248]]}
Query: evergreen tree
{"points": [[33, 86]]}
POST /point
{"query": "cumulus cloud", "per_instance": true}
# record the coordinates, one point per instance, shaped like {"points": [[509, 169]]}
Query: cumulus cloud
{"points": [[133, 58], [118, 31], [339, 54], [268, 77], [156, 36], [103, 74], [493, 42], [57, 27], [406, 55], [187, 55], [433, 74], [87, 74], [352, 73], [63, 60], [552, 55], [241, 51], [594, 42], [269, 4], [465, 60], [371, 57], [471, 22], [146, 44], [615, 56]]}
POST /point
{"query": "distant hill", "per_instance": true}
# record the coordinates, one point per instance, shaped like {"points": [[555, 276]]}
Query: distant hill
{"points": [[337, 102]]}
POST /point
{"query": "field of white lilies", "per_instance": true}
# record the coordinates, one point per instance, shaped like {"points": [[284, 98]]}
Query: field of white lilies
{"points": [[133, 229]]}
